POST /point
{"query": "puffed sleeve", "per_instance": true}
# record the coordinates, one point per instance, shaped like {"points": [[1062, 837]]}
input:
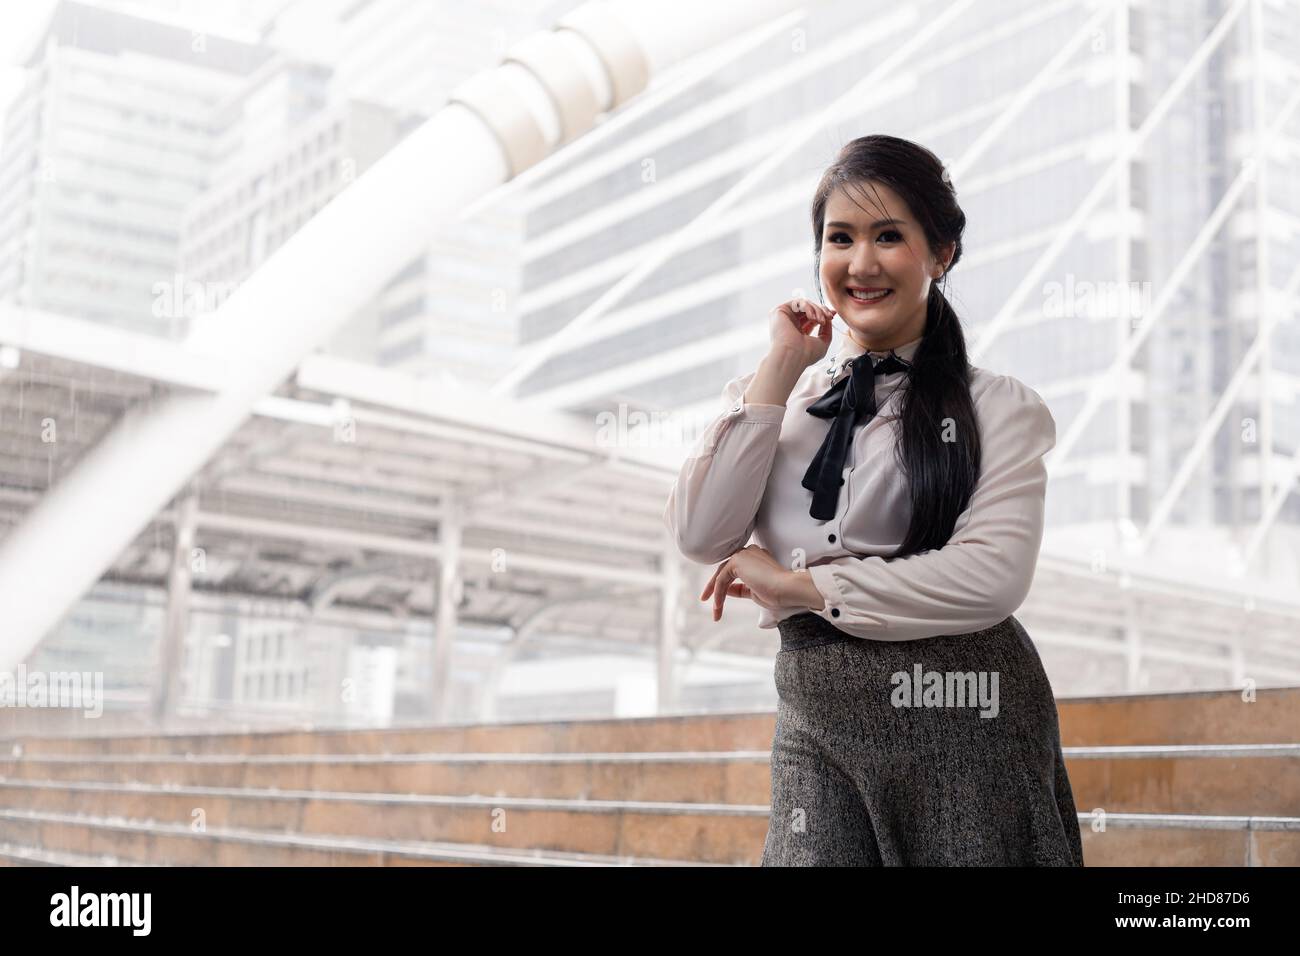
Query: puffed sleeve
{"points": [[713, 505], [984, 571]]}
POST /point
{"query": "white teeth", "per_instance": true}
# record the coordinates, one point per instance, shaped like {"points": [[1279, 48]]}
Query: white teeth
{"points": [[868, 296]]}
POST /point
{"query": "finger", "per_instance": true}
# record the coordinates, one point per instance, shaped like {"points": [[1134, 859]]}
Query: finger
{"points": [[740, 589], [808, 315], [826, 331], [720, 592], [708, 588]]}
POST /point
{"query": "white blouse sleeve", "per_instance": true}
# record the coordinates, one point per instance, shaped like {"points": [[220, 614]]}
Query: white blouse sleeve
{"points": [[713, 506], [985, 570]]}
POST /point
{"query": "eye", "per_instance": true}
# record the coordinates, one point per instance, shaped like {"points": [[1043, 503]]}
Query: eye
{"points": [[891, 232], [834, 237]]}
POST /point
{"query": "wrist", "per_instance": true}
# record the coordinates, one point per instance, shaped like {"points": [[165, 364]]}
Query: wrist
{"points": [[775, 379], [801, 591], [786, 361]]}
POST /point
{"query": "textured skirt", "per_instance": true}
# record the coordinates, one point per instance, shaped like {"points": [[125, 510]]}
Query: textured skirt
{"points": [[943, 751]]}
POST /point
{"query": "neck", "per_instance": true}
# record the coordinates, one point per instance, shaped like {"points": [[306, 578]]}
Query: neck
{"points": [[905, 343], [867, 344]]}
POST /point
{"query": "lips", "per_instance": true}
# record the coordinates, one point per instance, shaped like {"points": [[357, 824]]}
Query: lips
{"points": [[869, 301]]}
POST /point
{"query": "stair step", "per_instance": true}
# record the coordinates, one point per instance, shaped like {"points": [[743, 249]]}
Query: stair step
{"points": [[748, 730], [717, 833], [727, 777], [1206, 717], [13, 855], [1264, 778], [1195, 717], [1128, 840], [1155, 839], [176, 844]]}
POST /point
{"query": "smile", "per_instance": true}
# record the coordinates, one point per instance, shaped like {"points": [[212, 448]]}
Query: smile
{"points": [[875, 296]]}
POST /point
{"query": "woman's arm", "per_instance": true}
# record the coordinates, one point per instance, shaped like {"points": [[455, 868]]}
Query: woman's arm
{"points": [[776, 378], [985, 570], [713, 506]]}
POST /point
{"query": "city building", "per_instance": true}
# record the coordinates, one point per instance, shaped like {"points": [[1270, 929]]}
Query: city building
{"points": [[104, 148]]}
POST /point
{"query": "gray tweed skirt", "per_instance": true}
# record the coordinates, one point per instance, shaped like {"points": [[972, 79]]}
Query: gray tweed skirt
{"points": [[943, 751]]}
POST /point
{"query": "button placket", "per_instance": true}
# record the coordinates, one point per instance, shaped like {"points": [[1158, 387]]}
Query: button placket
{"points": [[835, 533]]}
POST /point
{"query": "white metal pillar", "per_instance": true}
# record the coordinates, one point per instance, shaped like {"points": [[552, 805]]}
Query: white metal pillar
{"points": [[1132, 643], [1124, 271], [1263, 277], [171, 644], [444, 635], [550, 89], [1237, 658], [669, 638]]}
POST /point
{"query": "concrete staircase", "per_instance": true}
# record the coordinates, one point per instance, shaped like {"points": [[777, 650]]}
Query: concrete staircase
{"points": [[1180, 779], [1197, 779]]}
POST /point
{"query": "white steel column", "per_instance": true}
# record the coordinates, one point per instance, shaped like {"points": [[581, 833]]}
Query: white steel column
{"points": [[171, 644], [669, 594], [1237, 656], [1132, 642], [1263, 279], [1124, 270], [550, 90], [449, 593]]}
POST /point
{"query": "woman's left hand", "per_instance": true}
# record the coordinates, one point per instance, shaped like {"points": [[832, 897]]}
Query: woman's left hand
{"points": [[751, 573]]}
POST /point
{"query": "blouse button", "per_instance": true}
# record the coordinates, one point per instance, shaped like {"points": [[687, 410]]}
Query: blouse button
{"points": [[831, 538], [835, 612]]}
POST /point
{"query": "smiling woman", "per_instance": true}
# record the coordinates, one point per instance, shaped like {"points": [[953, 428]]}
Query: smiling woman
{"points": [[905, 234], [895, 497]]}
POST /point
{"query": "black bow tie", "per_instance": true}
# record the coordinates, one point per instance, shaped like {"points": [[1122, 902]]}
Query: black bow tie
{"points": [[848, 403]]}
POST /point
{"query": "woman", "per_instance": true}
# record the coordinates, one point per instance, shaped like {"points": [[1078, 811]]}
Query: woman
{"points": [[895, 497]]}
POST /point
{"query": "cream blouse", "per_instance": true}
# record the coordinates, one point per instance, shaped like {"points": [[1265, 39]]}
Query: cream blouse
{"points": [[743, 477]]}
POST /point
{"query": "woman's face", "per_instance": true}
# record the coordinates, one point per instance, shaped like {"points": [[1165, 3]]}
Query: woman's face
{"points": [[877, 249]]}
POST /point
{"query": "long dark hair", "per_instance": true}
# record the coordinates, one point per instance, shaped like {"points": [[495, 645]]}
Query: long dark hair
{"points": [[941, 475]]}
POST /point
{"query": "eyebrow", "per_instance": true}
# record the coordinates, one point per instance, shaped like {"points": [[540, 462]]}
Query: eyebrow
{"points": [[875, 225]]}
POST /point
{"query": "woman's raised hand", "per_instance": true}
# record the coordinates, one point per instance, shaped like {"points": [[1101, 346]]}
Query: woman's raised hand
{"points": [[790, 325]]}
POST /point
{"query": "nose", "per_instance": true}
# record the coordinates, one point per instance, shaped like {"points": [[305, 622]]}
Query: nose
{"points": [[865, 264]]}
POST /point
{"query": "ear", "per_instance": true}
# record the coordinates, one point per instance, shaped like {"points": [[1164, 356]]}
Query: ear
{"points": [[945, 258]]}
